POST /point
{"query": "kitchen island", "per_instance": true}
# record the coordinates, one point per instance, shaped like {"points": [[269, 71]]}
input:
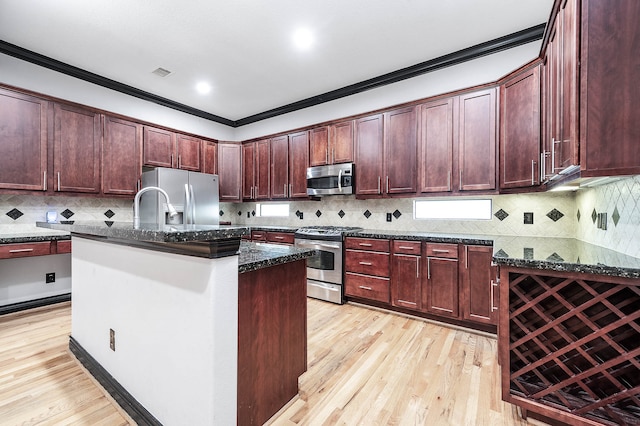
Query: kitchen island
{"points": [[177, 323]]}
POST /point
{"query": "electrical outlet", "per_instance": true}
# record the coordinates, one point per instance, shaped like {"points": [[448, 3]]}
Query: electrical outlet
{"points": [[112, 339], [388, 217], [49, 277], [528, 218]]}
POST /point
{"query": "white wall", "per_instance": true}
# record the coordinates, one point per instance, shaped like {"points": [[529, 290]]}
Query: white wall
{"points": [[22, 279], [176, 327], [483, 70]]}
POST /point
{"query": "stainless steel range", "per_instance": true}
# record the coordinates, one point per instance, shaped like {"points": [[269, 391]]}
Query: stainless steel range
{"points": [[324, 269]]}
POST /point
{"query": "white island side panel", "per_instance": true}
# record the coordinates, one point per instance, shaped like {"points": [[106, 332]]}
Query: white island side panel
{"points": [[175, 322]]}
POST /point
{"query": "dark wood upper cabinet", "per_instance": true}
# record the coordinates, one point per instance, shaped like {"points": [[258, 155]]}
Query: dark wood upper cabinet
{"points": [[298, 164], [209, 157], [400, 145], [164, 148], [188, 149], [610, 88], [520, 130], [23, 141], [280, 167], [369, 155], [331, 144], [121, 156], [435, 157], [77, 137], [256, 167], [230, 171], [477, 141]]}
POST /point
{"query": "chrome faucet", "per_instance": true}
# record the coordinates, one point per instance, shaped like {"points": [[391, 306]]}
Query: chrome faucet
{"points": [[136, 204]]}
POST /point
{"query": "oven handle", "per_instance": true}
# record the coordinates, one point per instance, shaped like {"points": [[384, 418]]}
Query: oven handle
{"points": [[310, 244]]}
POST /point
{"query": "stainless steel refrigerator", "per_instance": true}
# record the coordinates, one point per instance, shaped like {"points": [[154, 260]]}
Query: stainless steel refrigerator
{"points": [[194, 196]]}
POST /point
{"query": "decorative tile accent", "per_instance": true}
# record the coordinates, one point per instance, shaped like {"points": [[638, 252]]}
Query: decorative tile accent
{"points": [[109, 213], [14, 214], [501, 215], [367, 214], [578, 215], [527, 253], [221, 213], [67, 213], [555, 215], [239, 213], [318, 213], [615, 216], [108, 223], [555, 257], [341, 214], [397, 214], [253, 212], [594, 215], [501, 253]]}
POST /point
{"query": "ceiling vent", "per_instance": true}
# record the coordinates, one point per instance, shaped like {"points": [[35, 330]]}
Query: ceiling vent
{"points": [[161, 72]]}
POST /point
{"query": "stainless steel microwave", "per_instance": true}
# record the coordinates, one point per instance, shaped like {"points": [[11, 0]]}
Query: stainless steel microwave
{"points": [[336, 179]]}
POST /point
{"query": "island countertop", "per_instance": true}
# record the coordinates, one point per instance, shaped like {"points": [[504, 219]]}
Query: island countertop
{"points": [[254, 256]]}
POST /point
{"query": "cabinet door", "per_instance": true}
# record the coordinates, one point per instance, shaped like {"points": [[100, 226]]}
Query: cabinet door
{"points": [[440, 294], [341, 142], [262, 169], [568, 137], [188, 149], [520, 131], [158, 147], [610, 88], [406, 281], [248, 171], [76, 152], [369, 152], [477, 141], [23, 141], [298, 164], [477, 276], [550, 109], [319, 146], [279, 166], [209, 157], [400, 144], [436, 146], [121, 156], [229, 171]]}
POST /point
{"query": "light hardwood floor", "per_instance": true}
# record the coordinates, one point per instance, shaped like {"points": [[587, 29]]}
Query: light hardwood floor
{"points": [[365, 367]]}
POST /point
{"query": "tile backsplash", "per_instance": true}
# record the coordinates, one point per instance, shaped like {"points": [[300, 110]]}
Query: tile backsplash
{"points": [[554, 214]]}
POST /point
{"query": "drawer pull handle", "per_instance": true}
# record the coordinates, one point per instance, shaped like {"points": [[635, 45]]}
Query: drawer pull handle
{"points": [[366, 263], [20, 250], [364, 244], [440, 251], [277, 237], [406, 248], [365, 288]]}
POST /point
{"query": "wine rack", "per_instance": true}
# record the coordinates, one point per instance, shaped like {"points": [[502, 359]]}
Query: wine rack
{"points": [[573, 346]]}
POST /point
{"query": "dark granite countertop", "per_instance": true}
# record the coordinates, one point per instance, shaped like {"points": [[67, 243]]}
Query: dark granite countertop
{"points": [[254, 256], [151, 233], [482, 240], [273, 228], [33, 237]]}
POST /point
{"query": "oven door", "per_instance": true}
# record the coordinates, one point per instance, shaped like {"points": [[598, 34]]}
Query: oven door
{"points": [[326, 264]]}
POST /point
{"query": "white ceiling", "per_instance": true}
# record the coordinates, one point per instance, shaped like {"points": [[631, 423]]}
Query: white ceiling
{"points": [[243, 48]]}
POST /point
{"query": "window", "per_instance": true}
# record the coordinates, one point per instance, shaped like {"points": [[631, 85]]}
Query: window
{"points": [[452, 209], [272, 210]]}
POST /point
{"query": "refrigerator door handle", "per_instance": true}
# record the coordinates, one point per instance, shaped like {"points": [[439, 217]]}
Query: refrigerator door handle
{"points": [[192, 204], [187, 204]]}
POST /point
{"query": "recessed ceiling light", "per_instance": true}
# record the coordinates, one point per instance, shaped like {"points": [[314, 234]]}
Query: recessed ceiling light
{"points": [[203, 87], [303, 38]]}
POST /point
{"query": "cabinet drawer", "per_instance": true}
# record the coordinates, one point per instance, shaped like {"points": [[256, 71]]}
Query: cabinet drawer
{"points": [[10, 251], [449, 251], [280, 237], [407, 247], [258, 236], [369, 263], [373, 288], [367, 244], [63, 246]]}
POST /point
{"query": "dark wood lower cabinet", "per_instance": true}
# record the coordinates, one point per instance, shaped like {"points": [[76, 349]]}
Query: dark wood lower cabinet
{"points": [[478, 285], [272, 339], [569, 345], [406, 281], [440, 295]]}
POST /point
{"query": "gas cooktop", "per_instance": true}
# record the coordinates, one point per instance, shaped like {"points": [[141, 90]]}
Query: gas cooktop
{"points": [[325, 232]]}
